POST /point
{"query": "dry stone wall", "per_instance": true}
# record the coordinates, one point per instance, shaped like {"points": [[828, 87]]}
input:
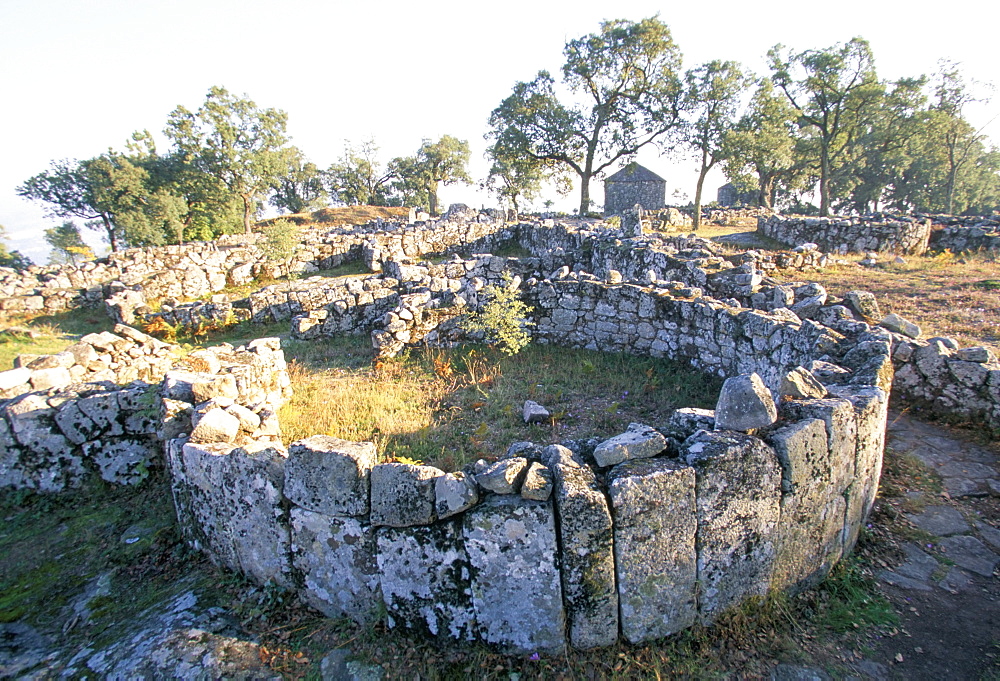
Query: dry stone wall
{"points": [[577, 544], [903, 234], [197, 269], [101, 407]]}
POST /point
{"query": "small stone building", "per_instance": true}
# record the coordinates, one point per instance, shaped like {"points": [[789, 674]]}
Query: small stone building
{"points": [[631, 185]]}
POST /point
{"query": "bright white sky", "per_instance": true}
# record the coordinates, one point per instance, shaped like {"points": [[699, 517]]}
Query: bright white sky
{"points": [[80, 75]]}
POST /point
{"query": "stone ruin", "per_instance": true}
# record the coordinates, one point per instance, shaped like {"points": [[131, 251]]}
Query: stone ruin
{"points": [[898, 234], [636, 536]]}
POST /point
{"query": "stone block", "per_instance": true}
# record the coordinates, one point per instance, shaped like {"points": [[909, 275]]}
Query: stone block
{"points": [[587, 556], [745, 404], [537, 484], [534, 412], [425, 577], [870, 406], [234, 501], [865, 304], [654, 536], [637, 442], [738, 491], [123, 461], [328, 475], [503, 476], [454, 493], [336, 557], [897, 324], [516, 586], [800, 384], [837, 414], [216, 425], [403, 494]]}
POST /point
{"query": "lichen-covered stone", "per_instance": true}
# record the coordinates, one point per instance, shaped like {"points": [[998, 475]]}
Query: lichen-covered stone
{"points": [[587, 555], [809, 536], [216, 425], [425, 577], [503, 476], [684, 422], [865, 304], [637, 442], [231, 506], [336, 557], [745, 404], [124, 461], [403, 494], [738, 490], [516, 587], [537, 484], [655, 526], [897, 324], [870, 415], [454, 493], [328, 475], [800, 384]]}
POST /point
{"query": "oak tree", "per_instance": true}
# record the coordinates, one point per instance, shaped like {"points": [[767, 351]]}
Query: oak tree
{"points": [[623, 93]]}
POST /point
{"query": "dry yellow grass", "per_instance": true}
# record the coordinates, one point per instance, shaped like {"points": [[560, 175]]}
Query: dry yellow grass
{"points": [[945, 294]]}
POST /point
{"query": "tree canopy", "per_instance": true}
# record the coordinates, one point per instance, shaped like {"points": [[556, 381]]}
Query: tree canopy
{"points": [[623, 93], [233, 140]]}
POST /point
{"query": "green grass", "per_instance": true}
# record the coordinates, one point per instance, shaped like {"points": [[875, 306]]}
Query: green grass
{"points": [[449, 407], [56, 333], [53, 546]]}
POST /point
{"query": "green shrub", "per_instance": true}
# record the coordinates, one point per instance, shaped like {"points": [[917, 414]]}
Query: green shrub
{"points": [[280, 239], [503, 318]]}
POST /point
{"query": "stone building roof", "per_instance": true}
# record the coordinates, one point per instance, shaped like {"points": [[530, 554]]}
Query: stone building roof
{"points": [[634, 172]]}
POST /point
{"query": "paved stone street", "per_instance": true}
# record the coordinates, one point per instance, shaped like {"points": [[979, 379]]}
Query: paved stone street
{"points": [[957, 545]]}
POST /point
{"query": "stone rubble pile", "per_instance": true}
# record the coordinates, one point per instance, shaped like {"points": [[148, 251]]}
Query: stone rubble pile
{"points": [[108, 419], [121, 357]]}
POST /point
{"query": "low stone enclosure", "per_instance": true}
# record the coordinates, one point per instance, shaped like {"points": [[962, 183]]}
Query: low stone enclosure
{"points": [[900, 234], [636, 535]]}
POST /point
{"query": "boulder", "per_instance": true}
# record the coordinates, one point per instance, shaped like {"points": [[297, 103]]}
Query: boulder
{"points": [[745, 404], [328, 475], [403, 494]]}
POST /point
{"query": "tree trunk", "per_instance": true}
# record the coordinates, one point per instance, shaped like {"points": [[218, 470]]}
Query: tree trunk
{"points": [[432, 198], [765, 196], [824, 181], [247, 211], [584, 193], [110, 229], [705, 167]]}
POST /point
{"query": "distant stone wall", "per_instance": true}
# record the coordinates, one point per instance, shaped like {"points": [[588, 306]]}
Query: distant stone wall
{"points": [[903, 234], [201, 268], [984, 235], [937, 377]]}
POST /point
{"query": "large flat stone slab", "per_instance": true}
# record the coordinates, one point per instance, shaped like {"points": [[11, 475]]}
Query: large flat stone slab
{"points": [[426, 579], [738, 491], [941, 521], [587, 542], [655, 526], [516, 587], [231, 504], [336, 556]]}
